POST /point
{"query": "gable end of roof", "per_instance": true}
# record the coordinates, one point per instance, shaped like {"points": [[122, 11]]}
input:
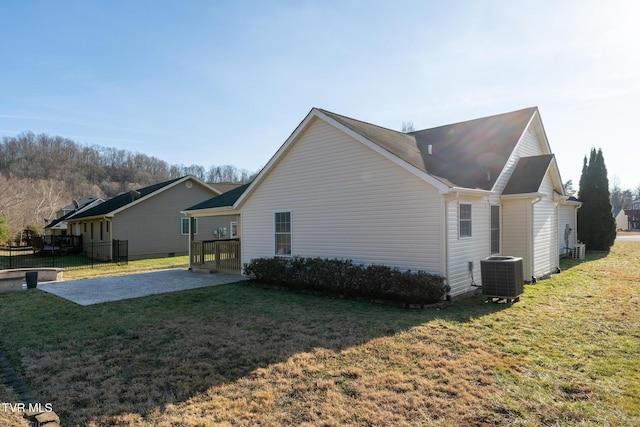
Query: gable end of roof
{"points": [[124, 200]]}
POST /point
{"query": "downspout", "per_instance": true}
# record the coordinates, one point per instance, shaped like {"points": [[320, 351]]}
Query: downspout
{"points": [[532, 246], [444, 225], [575, 221]]}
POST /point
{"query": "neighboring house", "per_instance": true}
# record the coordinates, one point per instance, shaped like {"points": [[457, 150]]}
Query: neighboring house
{"points": [[633, 215], [58, 227], [438, 200], [622, 221], [148, 218]]}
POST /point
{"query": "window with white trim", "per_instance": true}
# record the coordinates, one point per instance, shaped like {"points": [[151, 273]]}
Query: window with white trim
{"points": [[184, 226], [234, 229], [282, 233], [464, 218], [495, 229]]}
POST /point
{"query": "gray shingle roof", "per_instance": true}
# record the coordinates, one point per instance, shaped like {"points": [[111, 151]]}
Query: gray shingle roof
{"points": [[468, 154], [528, 174]]}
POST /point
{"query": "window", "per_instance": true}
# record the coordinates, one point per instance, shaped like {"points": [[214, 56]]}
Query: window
{"points": [[234, 229], [282, 227], [91, 230], [464, 216], [101, 231], [184, 226], [108, 226], [85, 226], [495, 229]]}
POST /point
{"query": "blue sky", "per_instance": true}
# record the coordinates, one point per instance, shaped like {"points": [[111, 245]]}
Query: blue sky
{"points": [[212, 82]]}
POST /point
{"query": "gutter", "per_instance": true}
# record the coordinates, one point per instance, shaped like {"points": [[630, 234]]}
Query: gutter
{"points": [[469, 192]]}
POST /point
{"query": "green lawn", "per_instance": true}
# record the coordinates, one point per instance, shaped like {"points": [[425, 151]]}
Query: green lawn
{"points": [[566, 355], [137, 266]]}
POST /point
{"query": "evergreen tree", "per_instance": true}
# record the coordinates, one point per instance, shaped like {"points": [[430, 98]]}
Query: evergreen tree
{"points": [[596, 225]]}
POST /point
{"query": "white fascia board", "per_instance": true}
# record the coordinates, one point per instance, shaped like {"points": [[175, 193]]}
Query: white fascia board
{"points": [[196, 213], [567, 202], [536, 195], [90, 218], [545, 140], [85, 208], [555, 176], [470, 192], [276, 158], [205, 185]]}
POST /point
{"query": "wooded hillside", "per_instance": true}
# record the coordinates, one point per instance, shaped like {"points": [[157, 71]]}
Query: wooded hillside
{"points": [[40, 174]]}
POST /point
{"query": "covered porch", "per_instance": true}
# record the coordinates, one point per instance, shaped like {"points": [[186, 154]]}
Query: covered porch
{"points": [[216, 217], [216, 255]]}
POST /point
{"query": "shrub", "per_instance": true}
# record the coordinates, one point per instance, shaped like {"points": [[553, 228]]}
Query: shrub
{"points": [[336, 277]]}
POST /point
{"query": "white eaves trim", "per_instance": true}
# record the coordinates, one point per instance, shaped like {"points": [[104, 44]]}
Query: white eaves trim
{"points": [[223, 210], [469, 192], [535, 196]]}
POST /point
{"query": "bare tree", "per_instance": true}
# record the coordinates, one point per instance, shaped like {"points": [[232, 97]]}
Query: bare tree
{"points": [[407, 127]]}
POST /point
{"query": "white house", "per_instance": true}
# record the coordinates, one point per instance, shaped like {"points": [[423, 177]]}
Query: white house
{"points": [[438, 200], [59, 226]]}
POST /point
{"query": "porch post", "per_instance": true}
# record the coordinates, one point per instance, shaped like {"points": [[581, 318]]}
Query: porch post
{"points": [[191, 237]]}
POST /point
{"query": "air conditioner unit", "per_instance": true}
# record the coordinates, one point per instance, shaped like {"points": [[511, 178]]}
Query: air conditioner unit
{"points": [[502, 277], [578, 251]]}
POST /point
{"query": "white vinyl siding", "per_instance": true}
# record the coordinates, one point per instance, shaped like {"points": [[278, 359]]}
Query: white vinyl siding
{"points": [[517, 216], [544, 231], [528, 146], [495, 229], [462, 251], [529, 229], [348, 202], [566, 219]]}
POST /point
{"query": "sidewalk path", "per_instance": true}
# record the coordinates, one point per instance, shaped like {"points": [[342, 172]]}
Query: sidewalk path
{"points": [[115, 288]]}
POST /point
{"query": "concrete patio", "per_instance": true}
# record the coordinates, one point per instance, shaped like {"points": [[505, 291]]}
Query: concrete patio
{"points": [[115, 288]]}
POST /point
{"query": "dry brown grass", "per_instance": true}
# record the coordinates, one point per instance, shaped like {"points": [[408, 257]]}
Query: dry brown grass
{"points": [[427, 374], [9, 417], [242, 356]]}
